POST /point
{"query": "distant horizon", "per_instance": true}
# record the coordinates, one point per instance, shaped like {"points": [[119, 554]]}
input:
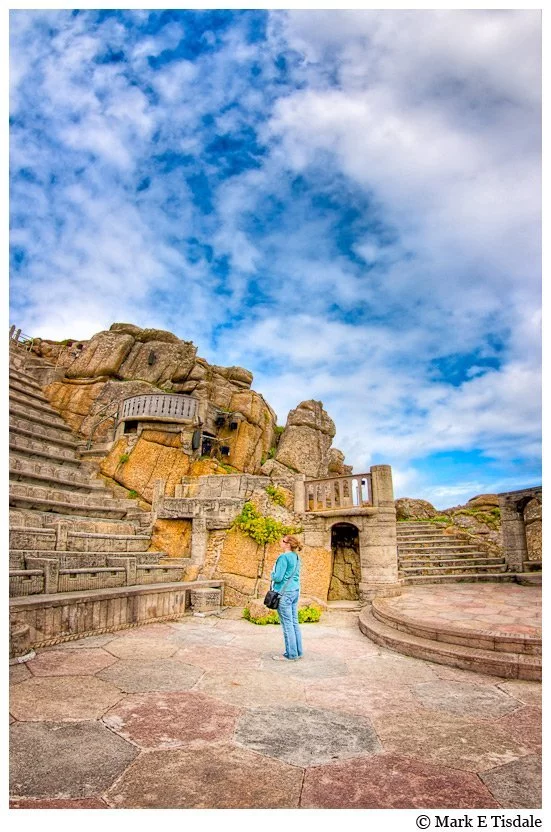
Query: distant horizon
{"points": [[346, 203]]}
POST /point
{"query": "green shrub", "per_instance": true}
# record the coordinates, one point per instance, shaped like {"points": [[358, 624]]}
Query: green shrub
{"points": [[124, 458], [276, 494], [133, 495], [306, 615], [262, 529]]}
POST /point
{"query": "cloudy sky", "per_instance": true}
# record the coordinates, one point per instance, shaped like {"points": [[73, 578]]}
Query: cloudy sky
{"points": [[347, 203]]}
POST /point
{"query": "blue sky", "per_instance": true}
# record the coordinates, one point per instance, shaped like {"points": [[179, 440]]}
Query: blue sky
{"points": [[347, 203]]}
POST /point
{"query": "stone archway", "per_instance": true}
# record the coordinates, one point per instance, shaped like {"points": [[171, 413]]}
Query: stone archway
{"points": [[346, 569]]}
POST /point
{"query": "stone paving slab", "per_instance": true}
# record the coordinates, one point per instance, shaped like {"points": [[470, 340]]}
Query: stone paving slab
{"points": [[392, 667], [524, 725], [392, 782], [56, 698], [84, 662], [516, 785], [211, 657], [306, 736], [172, 719], [310, 666], [359, 695], [157, 675], [65, 760], [252, 688], [19, 673], [476, 701], [217, 777], [527, 692], [447, 739], [141, 648], [84, 803]]}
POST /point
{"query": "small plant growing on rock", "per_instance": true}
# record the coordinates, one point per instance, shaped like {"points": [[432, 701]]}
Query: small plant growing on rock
{"points": [[133, 495], [262, 529], [276, 494], [124, 458]]}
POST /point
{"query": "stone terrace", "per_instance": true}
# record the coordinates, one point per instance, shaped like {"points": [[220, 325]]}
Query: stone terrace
{"points": [[196, 714]]}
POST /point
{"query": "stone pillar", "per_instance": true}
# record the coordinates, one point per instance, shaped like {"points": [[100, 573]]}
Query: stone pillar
{"points": [[206, 599], [300, 502], [61, 536], [513, 532], [129, 563], [158, 493], [378, 546], [199, 541]]}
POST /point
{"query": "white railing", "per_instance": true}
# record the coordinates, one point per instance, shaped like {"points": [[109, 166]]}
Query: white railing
{"points": [[19, 339], [352, 491], [162, 406]]}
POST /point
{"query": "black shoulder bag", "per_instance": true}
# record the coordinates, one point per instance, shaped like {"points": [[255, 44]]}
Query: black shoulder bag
{"points": [[273, 598]]}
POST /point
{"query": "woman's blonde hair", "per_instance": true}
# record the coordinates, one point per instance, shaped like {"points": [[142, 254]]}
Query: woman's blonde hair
{"points": [[294, 542]]}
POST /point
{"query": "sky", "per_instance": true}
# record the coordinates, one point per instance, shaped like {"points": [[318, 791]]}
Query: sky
{"points": [[346, 203]]}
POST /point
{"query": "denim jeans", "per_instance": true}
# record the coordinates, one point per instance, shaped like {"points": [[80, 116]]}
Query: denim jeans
{"points": [[288, 615]]}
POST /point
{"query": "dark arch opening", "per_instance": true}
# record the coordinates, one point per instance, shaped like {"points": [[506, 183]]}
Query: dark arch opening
{"points": [[345, 573]]}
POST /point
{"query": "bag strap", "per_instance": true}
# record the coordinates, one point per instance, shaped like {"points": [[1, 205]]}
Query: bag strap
{"points": [[282, 591]]}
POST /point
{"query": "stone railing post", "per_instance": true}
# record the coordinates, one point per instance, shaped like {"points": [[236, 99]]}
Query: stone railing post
{"points": [[513, 532], [158, 496], [129, 563], [378, 541], [61, 536], [199, 541], [300, 496]]}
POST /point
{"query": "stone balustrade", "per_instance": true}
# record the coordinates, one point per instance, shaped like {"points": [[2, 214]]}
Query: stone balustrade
{"points": [[164, 406], [332, 493]]}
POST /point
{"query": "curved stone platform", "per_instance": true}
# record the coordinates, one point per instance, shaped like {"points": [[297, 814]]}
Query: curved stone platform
{"points": [[490, 628]]}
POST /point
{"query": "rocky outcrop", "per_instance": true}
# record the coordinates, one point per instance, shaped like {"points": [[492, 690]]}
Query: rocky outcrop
{"points": [[305, 443], [409, 509]]}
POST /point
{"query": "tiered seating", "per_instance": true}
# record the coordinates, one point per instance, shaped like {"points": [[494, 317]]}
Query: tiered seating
{"points": [[67, 530]]}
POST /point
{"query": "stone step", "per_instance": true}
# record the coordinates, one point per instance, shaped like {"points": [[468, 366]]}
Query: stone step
{"points": [[19, 426], [33, 408], [67, 502], [404, 565], [23, 538], [510, 665], [22, 388], [33, 422], [437, 547], [469, 568], [25, 447], [467, 577], [23, 378], [77, 559], [42, 473]]}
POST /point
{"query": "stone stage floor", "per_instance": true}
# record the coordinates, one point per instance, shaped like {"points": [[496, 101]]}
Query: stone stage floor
{"points": [[196, 714]]}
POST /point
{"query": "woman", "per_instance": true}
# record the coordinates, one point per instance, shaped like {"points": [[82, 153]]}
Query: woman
{"points": [[286, 577]]}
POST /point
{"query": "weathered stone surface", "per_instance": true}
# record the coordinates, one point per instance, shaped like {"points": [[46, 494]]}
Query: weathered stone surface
{"points": [[476, 701], [62, 698], [525, 725], [222, 777], [392, 668], [75, 803], [305, 450], [306, 736], [102, 355], [19, 673], [135, 648], [407, 508], [211, 657], [529, 693], [84, 662], [392, 782], [336, 464], [310, 666], [279, 473], [148, 461], [251, 688], [149, 675], [447, 740], [170, 720], [65, 760], [171, 361], [517, 785], [145, 335], [533, 520], [360, 696], [172, 537]]}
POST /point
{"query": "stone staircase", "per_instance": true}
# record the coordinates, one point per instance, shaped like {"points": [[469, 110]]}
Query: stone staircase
{"points": [[68, 532], [428, 553]]}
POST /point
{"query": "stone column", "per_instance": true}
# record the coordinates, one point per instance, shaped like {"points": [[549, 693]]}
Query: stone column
{"points": [[61, 536], [378, 547], [199, 541], [158, 494], [513, 534], [300, 502]]}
